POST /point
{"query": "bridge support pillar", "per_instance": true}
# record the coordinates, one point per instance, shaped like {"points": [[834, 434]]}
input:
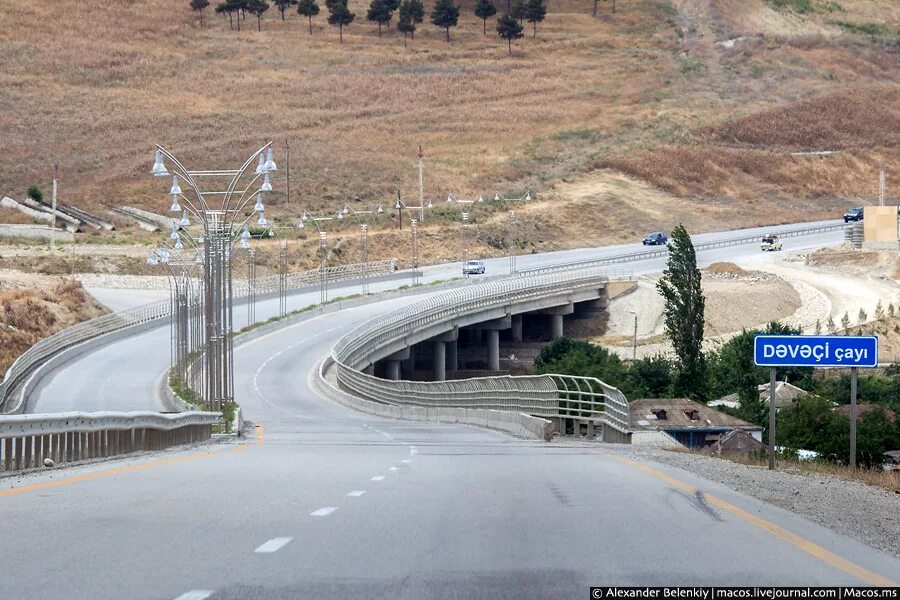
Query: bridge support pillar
{"points": [[408, 366], [393, 370], [452, 358], [440, 360], [516, 324], [556, 326], [493, 348]]}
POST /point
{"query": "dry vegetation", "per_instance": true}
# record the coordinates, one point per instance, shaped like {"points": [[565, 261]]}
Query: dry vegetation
{"points": [[702, 130], [33, 307]]}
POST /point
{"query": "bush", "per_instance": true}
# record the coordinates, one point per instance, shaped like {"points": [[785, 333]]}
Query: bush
{"points": [[35, 193]]}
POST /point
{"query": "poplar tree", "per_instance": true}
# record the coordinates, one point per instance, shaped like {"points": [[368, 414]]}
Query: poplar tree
{"points": [[684, 314]]}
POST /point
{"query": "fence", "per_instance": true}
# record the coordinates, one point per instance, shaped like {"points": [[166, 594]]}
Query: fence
{"points": [[29, 440]]}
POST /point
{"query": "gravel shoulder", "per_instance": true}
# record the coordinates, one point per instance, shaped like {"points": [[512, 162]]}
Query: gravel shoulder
{"points": [[868, 514]]}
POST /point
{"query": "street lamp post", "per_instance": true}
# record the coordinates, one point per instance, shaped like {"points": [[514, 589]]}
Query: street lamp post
{"points": [[323, 247], [464, 232], [415, 253], [513, 221], [220, 211], [362, 220]]}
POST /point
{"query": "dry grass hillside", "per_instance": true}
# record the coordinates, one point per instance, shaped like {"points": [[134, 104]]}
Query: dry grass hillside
{"points": [[662, 112], [33, 307]]}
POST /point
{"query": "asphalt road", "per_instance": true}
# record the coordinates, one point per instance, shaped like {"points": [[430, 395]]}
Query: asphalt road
{"points": [[327, 503]]}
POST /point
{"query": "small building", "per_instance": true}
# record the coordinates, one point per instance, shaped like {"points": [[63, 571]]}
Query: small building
{"points": [[785, 393], [729, 401], [892, 459], [690, 423], [862, 409], [736, 441]]}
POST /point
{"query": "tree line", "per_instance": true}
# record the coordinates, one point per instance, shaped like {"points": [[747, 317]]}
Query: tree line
{"points": [[410, 13]]}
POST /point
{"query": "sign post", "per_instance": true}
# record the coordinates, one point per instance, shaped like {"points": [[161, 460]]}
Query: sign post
{"points": [[828, 351]]}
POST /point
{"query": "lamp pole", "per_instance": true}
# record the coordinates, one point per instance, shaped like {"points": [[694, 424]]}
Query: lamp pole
{"points": [[513, 220], [421, 185], [220, 209], [634, 337], [53, 212], [415, 254], [465, 224]]}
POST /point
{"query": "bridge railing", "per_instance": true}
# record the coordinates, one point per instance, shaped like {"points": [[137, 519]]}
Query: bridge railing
{"points": [[50, 346], [27, 441], [553, 396]]}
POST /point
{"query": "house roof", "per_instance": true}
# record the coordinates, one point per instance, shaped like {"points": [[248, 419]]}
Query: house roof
{"points": [[644, 414], [785, 393], [731, 401]]}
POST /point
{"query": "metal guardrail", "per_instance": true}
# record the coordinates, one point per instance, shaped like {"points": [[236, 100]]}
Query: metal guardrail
{"points": [[87, 330], [661, 252], [554, 396], [30, 440]]}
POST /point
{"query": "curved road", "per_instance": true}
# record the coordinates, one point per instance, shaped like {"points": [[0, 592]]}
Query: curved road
{"points": [[327, 503]]}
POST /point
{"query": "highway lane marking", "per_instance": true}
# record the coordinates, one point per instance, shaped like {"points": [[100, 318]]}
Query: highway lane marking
{"points": [[273, 545], [356, 493], [323, 512], [392, 469], [104, 473], [406, 461], [195, 595], [805, 545], [378, 478], [276, 355], [387, 435]]}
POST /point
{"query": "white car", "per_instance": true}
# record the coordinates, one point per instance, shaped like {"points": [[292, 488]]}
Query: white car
{"points": [[473, 267]]}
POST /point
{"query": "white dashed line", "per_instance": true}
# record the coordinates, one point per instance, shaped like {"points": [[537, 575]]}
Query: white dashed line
{"points": [[195, 595], [357, 493], [323, 512], [273, 545], [392, 469], [413, 451], [378, 478], [406, 461]]}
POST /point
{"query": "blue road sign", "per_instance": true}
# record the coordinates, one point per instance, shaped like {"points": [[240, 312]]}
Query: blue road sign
{"points": [[815, 351]]}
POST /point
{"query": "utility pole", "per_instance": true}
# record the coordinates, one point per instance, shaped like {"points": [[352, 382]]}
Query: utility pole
{"points": [[513, 218], [53, 222], [399, 208], [287, 151], [772, 383], [415, 254], [421, 186], [881, 185]]}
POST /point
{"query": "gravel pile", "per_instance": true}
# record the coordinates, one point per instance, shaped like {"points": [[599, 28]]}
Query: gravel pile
{"points": [[868, 514]]}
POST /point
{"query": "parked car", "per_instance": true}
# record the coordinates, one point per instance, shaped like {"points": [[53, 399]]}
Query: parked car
{"points": [[854, 214], [657, 238], [473, 267], [770, 243]]}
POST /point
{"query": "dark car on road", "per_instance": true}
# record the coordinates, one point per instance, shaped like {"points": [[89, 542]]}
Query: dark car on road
{"points": [[657, 238], [854, 214]]}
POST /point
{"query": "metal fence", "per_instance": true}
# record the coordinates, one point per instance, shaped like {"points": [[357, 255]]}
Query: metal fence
{"points": [[48, 347], [549, 396], [28, 441]]}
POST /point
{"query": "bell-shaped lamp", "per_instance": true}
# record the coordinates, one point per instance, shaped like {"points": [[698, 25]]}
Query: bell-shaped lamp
{"points": [[267, 185], [159, 167], [496, 196], [176, 189], [184, 219], [262, 220], [174, 234], [261, 167], [178, 244], [245, 235], [258, 207], [270, 164]]}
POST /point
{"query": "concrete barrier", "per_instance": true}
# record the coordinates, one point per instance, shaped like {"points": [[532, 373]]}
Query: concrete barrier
{"points": [[517, 424], [41, 232]]}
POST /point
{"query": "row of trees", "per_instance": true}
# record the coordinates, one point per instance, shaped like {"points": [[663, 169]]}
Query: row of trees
{"points": [[411, 13]]}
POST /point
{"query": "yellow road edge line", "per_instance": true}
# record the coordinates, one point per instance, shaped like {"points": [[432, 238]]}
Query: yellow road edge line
{"points": [[261, 435], [803, 544], [104, 473]]}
